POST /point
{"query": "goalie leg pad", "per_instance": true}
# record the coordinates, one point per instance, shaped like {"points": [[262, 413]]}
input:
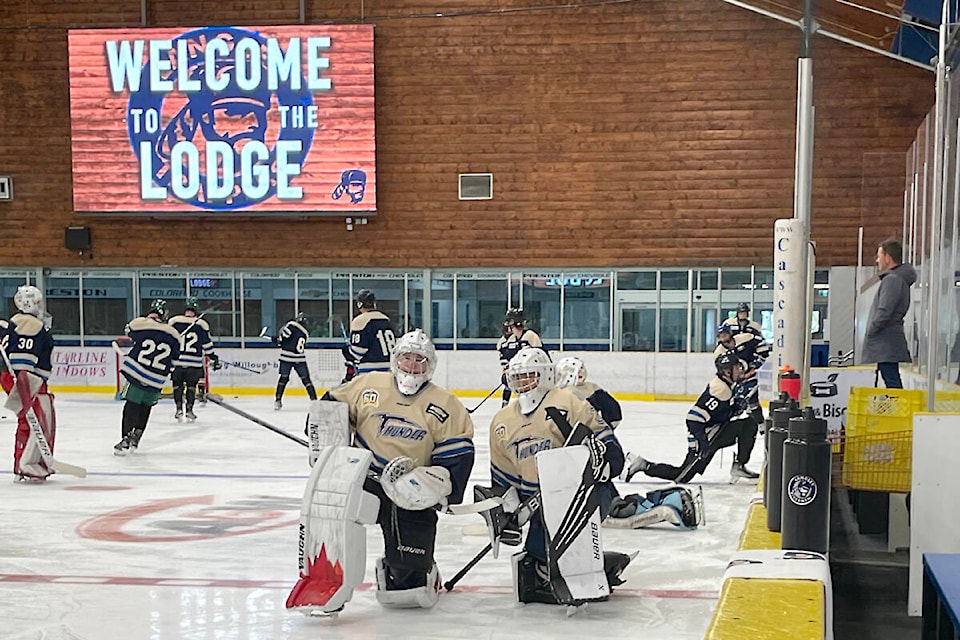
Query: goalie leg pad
{"points": [[571, 517], [391, 594], [27, 457], [332, 537], [328, 425]]}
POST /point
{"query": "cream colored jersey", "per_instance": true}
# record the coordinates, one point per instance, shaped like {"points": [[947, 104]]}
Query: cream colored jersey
{"points": [[429, 426], [515, 438]]}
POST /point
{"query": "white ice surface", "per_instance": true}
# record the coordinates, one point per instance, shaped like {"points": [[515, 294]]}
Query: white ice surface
{"points": [[195, 536]]}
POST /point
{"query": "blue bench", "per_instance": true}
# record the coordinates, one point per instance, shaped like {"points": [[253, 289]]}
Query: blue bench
{"points": [[941, 596]]}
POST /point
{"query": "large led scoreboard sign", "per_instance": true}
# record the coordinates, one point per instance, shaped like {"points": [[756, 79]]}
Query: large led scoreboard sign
{"points": [[245, 120]]}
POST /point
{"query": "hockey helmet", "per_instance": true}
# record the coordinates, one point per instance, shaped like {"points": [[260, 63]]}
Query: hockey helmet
{"points": [[743, 307], [530, 375], [29, 299], [729, 366], [514, 318], [413, 361], [191, 304], [724, 334], [571, 372], [366, 299], [300, 318], [159, 307]]}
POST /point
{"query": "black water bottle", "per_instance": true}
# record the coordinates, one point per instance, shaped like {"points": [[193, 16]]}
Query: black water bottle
{"points": [[806, 485], [776, 403], [774, 478]]}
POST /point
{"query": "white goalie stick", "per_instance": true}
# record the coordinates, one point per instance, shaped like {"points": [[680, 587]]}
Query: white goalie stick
{"points": [[37, 430]]}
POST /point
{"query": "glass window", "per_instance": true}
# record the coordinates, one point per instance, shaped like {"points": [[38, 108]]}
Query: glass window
{"points": [[763, 279], [637, 280], [63, 303], [709, 280], [342, 305], [313, 299], [541, 304], [736, 279], [481, 304], [415, 315], [171, 287], [586, 307], [674, 280], [268, 301], [215, 294], [107, 303], [9, 283], [673, 330], [391, 298], [441, 297], [639, 329]]}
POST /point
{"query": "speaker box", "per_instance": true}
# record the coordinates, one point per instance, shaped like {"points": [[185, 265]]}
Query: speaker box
{"points": [[77, 238]]}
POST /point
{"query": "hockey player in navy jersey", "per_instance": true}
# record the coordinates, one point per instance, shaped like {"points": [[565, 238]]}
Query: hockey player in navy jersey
{"points": [[710, 427], [371, 338], [156, 345], [28, 343], [293, 346], [515, 337], [753, 351], [195, 345]]}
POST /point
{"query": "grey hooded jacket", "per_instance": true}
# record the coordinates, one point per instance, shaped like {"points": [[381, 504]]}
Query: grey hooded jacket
{"points": [[885, 340]]}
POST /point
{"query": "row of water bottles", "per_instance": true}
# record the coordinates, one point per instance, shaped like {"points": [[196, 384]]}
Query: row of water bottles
{"points": [[796, 484]]}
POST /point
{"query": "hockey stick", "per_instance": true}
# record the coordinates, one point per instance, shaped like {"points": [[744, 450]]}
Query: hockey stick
{"points": [[37, 430], [530, 506], [489, 395], [239, 366], [216, 398]]}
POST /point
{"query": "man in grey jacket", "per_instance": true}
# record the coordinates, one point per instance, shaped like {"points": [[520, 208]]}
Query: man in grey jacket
{"points": [[885, 342]]}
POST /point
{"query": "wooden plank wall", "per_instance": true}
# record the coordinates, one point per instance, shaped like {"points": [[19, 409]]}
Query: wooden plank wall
{"points": [[649, 133]]}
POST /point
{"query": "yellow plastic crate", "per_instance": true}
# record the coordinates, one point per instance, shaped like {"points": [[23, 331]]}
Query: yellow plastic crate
{"points": [[878, 461], [871, 410]]}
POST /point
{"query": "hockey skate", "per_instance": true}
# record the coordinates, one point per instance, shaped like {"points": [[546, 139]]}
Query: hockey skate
{"points": [[739, 472], [191, 416], [134, 439], [277, 405], [179, 415], [633, 464], [122, 448], [28, 479]]}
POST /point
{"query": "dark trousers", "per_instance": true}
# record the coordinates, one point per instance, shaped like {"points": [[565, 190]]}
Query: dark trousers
{"points": [[185, 378], [409, 538], [743, 433], [302, 371], [890, 372]]}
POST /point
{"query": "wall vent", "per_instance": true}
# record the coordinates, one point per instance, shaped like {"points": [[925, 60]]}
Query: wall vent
{"points": [[476, 186]]}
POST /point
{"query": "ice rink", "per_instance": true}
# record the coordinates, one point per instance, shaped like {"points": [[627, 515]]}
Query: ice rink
{"points": [[195, 537]]}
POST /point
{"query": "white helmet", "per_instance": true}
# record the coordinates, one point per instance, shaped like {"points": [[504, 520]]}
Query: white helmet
{"points": [[413, 361], [29, 300], [530, 375], [571, 372]]}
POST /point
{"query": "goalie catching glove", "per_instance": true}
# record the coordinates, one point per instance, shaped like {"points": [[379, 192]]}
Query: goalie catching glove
{"points": [[415, 488]]}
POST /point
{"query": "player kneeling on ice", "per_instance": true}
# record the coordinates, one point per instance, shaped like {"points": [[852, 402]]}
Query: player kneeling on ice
{"points": [[566, 489], [412, 453]]}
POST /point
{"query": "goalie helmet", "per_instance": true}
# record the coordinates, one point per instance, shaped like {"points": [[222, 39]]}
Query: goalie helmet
{"points": [[366, 299], [571, 372], [530, 375], [159, 307], [514, 318], [729, 366], [28, 299], [413, 361]]}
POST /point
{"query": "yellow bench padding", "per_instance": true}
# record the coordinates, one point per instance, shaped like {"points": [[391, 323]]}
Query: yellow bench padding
{"points": [[755, 534], [769, 609]]}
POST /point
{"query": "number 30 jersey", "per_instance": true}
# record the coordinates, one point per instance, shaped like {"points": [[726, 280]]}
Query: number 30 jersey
{"points": [[155, 346]]}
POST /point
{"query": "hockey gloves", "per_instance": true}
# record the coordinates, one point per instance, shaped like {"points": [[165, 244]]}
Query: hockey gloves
{"points": [[216, 365], [598, 462], [502, 522], [415, 488]]}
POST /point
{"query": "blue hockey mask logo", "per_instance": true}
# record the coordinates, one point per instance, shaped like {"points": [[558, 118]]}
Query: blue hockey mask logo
{"points": [[232, 146]]}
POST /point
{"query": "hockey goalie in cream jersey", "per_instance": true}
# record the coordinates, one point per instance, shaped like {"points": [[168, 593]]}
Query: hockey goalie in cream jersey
{"points": [[414, 441]]}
